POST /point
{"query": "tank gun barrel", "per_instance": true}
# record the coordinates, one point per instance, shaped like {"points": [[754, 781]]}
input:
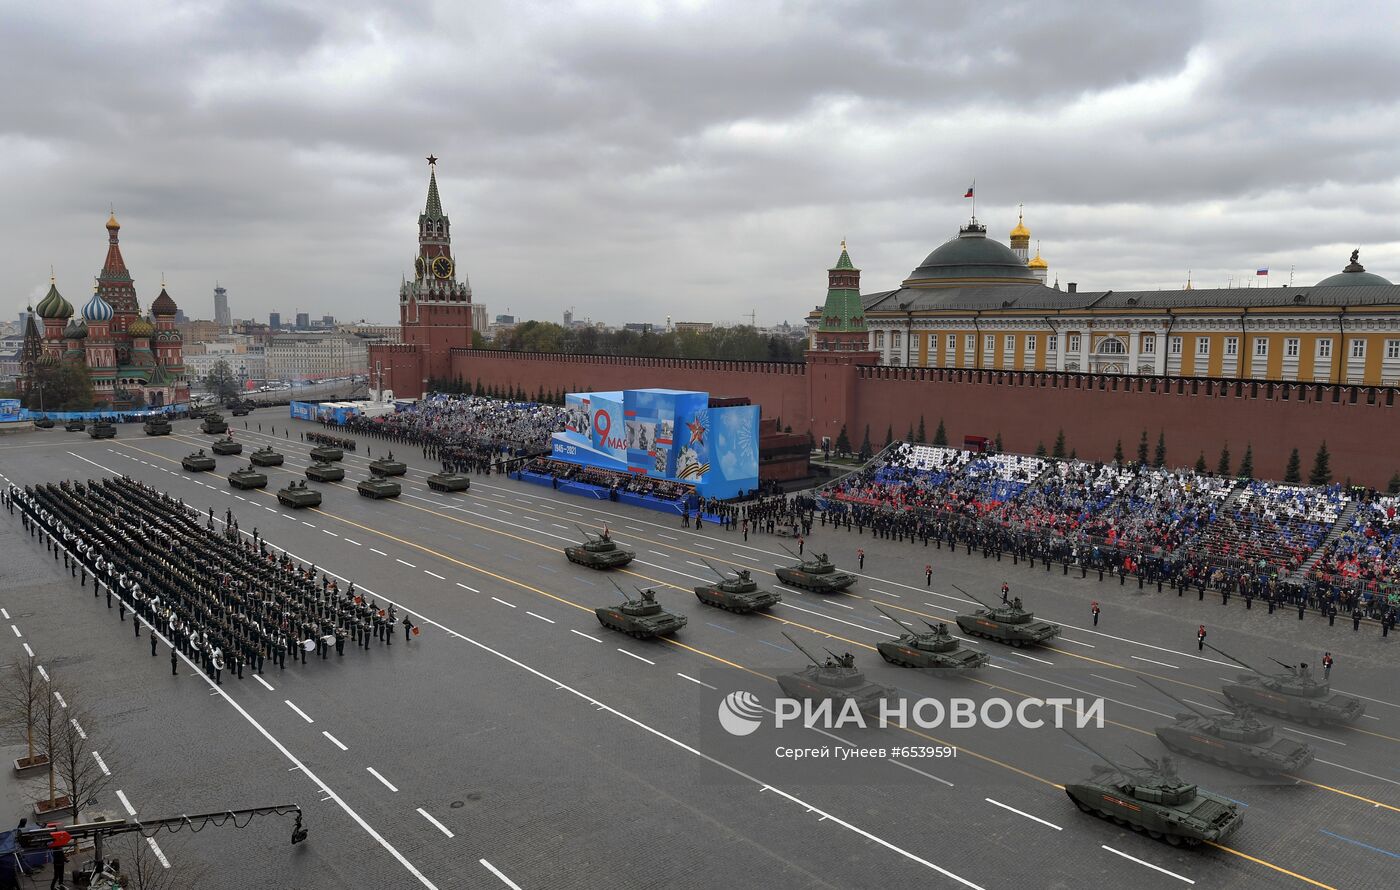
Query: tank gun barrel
{"points": [[902, 627], [1093, 750], [712, 568], [1179, 701], [789, 551], [624, 593], [585, 532], [971, 597], [802, 649], [1281, 664], [1236, 660]]}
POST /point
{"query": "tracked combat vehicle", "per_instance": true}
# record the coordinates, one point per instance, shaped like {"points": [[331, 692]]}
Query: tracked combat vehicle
{"points": [[247, 477], [327, 453], [297, 495], [599, 551], [266, 457], [935, 648], [1239, 740], [213, 424], [387, 466], [197, 462], [1010, 624], [642, 618], [816, 574], [449, 482], [1155, 801], [102, 430], [739, 593], [378, 487], [74, 426], [240, 410], [836, 678], [323, 472], [44, 423], [1295, 694], [157, 427], [228, 445]]}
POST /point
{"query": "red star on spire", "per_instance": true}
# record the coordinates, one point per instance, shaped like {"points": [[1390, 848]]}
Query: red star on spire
{"points": [[432, 160]]}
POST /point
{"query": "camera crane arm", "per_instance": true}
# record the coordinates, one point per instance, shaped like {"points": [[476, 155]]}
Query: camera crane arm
{"points": [[55, 836]]}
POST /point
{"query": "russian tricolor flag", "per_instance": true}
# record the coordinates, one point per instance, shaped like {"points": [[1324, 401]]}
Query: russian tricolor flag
{"points": [[1263, 271], [969, 191]]}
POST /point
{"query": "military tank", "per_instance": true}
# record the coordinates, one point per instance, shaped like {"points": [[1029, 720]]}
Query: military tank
{"points": [[835, 678], [247, 477], [327, 453], [1010, 624], [739, 593], [1154, 801], [228, 445], [157, 426], [935, 649], [449, 482], [74, 426], [378, 487], [240, 410], [1238, 741], [816, 574], [197, 462], [1294, 695], [213, 424], [102, 430], [599, 551], [297, 495], [44, 423], [266, 457], [387, 466], [324, 472], [642, 618]]}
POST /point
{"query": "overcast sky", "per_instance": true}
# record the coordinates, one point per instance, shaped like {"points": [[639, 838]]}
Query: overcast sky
{"points": [[700, 160]]}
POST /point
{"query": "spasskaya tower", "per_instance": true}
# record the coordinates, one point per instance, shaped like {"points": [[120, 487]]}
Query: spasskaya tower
{"points": [[435, 313]]}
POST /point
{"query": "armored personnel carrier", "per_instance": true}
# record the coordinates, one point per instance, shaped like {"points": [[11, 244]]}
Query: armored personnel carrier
{"points": [[816, 574], [1154, 801], [228, 445], [599, 552], [74, 426], [266, 457], [297, 495], [836, 678], [449, 482], [44, 423], [739, 593], [1239, 740], [197, 462], [1295, 694], [642, 618], [323, 472], [1011, 623], [327, 453], [378, 487], [247, 477], [102, 430], [935, 649], [242, 409], [387, 466], [213, 424], [157, 426]]}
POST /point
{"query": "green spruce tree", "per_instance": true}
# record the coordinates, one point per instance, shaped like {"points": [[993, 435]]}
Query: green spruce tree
{"points": [[940, 435], [843, 442], [889, 436], [865, 445], [1201, 464], [997, 442], [1040, 449], [1294, 473], [1142, 449], [923, 437], [1159, 459], [1394, 486], [1247, 462], [1118, 452], [1222, 468], [1322, 466], [1059, 449]]}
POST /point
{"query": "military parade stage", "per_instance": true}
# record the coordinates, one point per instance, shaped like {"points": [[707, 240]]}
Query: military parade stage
{"points": [[552, 749]]}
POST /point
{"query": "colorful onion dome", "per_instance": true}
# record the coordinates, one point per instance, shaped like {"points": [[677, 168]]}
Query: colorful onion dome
{"points": [[141, 328], [163, 305], [53, 305], [97, 309]]}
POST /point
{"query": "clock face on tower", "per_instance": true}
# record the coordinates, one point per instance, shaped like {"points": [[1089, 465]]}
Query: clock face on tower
{"points": [[418, 266], [442, 267]]}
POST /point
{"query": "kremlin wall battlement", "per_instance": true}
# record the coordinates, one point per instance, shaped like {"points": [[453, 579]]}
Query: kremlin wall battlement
{"points": [[1095, 411]]}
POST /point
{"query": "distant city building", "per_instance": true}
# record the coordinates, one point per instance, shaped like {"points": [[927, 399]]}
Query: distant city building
{"points": [[303, 321], [200, 330], [181, 317], [328, 321], [693, 327], [505, 319], [479, 322], [315, 354], [222, 317], [638, 327], [274, 321], [384, 333], [568, 318]]}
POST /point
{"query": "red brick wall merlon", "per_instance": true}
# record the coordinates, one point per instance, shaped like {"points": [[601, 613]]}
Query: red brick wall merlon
{"points": [[1360, 424]]}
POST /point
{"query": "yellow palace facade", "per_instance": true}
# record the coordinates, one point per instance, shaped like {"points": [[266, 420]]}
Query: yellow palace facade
{"points": [[975, 303]]}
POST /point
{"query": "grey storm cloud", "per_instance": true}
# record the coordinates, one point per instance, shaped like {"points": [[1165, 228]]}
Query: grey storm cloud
{"points": [[636, 160]]}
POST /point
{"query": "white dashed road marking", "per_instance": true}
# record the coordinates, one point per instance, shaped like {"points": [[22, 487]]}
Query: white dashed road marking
{"points": [[440, 827], [299, 711], [387, 784]]}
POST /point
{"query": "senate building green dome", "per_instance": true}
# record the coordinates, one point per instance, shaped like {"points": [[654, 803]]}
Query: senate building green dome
{"points": [[969, 260], [1354, 275]]}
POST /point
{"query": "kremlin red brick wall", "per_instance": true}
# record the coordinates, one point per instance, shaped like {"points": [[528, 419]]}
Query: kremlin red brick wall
{"points": [[1360, 424]]}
